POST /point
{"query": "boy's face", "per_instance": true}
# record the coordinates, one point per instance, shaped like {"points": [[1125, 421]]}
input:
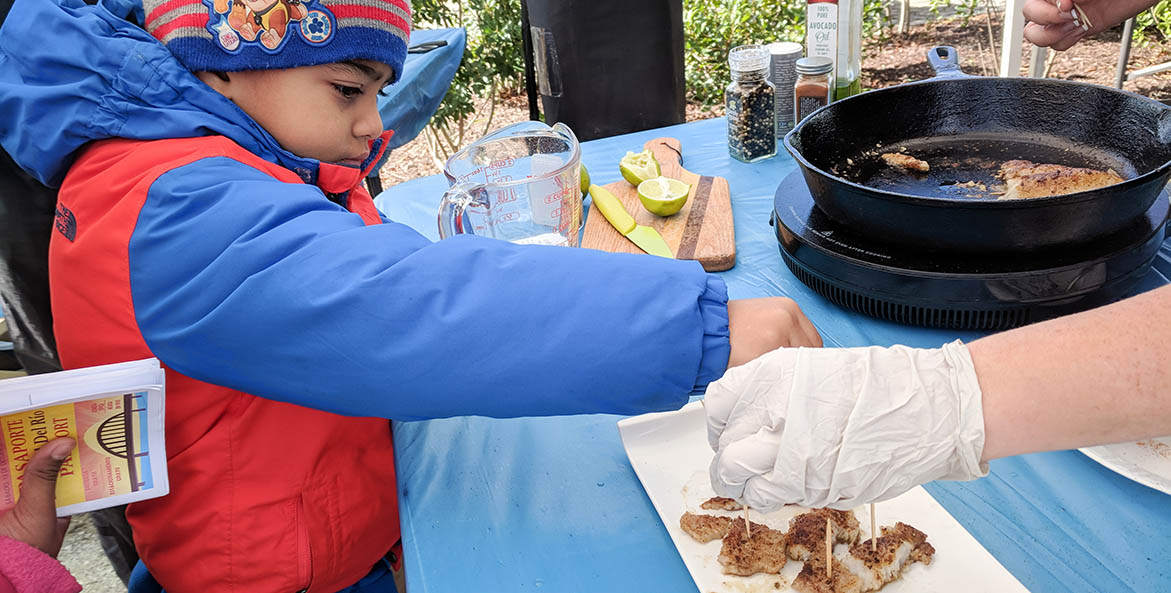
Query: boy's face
{"points": [[327, 112]]}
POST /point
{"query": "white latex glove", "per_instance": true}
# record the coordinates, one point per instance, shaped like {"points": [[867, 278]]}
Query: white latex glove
{"points": [[842, 427]]}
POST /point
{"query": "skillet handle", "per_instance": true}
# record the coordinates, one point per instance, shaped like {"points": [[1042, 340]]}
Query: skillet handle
{"points": [[946, 62]]}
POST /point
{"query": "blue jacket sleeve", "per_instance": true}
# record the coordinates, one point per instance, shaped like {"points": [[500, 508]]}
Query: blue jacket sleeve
{"points": [[270, 288]]}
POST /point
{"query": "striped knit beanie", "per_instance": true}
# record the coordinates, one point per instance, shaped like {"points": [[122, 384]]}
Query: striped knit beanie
{"points": [[232, 35]]}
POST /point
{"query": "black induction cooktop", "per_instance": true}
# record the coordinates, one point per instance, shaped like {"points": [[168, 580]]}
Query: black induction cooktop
{"points": [[958, 290]]}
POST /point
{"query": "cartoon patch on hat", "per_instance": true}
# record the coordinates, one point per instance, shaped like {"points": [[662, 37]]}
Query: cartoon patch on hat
{"points": [[235, 35], [267, 22]]}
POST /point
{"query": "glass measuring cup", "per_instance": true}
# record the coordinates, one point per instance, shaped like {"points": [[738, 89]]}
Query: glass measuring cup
{"points": [[521, 183]]}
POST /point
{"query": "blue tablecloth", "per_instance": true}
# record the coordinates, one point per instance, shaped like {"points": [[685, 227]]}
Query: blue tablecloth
{"points": [[552, 504], [407, 105]]}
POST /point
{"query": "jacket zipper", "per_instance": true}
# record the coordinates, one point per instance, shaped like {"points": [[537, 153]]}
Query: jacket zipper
{"points": [[305, 547]]}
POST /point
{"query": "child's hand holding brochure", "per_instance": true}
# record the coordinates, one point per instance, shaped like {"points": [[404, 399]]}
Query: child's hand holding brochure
{"points": [[114, 412]]}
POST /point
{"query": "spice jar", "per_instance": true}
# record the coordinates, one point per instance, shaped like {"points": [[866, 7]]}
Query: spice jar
{"points": [[812, 89], [782, 73], [749, 105]]}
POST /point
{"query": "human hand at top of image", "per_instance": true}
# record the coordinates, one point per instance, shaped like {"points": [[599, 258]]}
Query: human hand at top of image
{"points": [[761, 325], [841, 427], [1059, 24]]}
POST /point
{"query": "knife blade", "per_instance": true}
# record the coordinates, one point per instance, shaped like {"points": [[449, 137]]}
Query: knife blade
{"points": [[647, 238]]}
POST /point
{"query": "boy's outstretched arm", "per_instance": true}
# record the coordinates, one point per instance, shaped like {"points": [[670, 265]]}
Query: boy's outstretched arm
{"points": [[244, 281]]}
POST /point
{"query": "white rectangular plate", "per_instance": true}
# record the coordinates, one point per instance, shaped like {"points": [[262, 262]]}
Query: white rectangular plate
{"points": [[670, 454], [1146, 462]]}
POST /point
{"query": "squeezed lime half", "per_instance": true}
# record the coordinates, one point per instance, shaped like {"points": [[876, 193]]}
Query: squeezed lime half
{"points": [[637, 167], [663, 196]]}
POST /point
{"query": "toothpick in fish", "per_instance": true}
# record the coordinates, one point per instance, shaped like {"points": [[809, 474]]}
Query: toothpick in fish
{"points": [[873, 533], [829, 550], [747, 523]]}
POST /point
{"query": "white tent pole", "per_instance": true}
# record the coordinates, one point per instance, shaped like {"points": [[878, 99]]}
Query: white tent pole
{"points": [[1037, 62], [1014, 27]]}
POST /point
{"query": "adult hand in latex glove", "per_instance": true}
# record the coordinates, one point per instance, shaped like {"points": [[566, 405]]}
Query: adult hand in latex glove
{"points": [[841, 427]]}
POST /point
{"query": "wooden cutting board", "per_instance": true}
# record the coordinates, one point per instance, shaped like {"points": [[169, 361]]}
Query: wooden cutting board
{"points": [[702, 230]]}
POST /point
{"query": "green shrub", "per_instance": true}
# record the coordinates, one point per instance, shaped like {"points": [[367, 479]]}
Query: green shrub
{"points": [[493, 64], [1153, 25], [964, 9], [712, 27]]}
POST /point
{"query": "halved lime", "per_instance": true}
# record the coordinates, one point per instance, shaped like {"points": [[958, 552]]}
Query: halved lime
{"points": [[585, 180], [637, 167], [662, 195]]}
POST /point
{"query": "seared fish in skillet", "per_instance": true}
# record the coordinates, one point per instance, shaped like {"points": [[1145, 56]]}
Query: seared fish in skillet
{"points": [[1026, 179], [905, 162]]}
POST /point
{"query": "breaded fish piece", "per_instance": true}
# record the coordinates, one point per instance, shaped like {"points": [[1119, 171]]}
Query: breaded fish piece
{"points": [[704, 528], [807, 531], [746, 556], [1026, 179], [906, 162], [896, 548], [863, 570], [812, 577], [721, 503]]}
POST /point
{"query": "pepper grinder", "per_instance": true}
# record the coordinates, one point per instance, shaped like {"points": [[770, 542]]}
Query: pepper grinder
{"points": [[750, 105]]}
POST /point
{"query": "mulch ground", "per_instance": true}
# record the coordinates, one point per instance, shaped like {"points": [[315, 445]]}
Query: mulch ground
{"points": [[902, 58]]}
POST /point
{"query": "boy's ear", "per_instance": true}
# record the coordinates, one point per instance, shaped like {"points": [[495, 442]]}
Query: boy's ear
{"points": [[216, 80]]}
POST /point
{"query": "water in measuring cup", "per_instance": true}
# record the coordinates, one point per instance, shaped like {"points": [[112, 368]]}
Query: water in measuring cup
{"points": [[545, 195], [544, 239]]}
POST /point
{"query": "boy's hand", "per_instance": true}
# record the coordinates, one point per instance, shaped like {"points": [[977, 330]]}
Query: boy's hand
{"points": [[757, 326], [34, 518]]}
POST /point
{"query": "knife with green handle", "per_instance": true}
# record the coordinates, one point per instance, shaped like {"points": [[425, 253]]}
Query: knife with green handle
{"points": [[647, 238]]}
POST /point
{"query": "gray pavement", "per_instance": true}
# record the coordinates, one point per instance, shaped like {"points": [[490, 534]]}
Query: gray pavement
{"points": [[83, 556]]}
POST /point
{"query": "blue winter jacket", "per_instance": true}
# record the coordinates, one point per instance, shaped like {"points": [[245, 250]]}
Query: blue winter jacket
{"points": [[254, 273]]}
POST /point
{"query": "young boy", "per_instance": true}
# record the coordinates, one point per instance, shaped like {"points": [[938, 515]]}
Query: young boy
{"points": [[210, 214]]}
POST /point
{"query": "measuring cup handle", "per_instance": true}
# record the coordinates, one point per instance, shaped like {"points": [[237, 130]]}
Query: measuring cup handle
{"points": [[451, 210]]}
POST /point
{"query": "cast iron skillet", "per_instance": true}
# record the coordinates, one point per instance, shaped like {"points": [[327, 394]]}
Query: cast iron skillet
{"points": [[965, 127]]}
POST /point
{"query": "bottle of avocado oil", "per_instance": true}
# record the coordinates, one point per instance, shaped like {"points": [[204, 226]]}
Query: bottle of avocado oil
{"points": [[833, 29]]}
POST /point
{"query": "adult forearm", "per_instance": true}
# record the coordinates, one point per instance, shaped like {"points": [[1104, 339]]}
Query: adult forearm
{"points": [[1097, 377], [1118, 11], [1108, 13]]}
